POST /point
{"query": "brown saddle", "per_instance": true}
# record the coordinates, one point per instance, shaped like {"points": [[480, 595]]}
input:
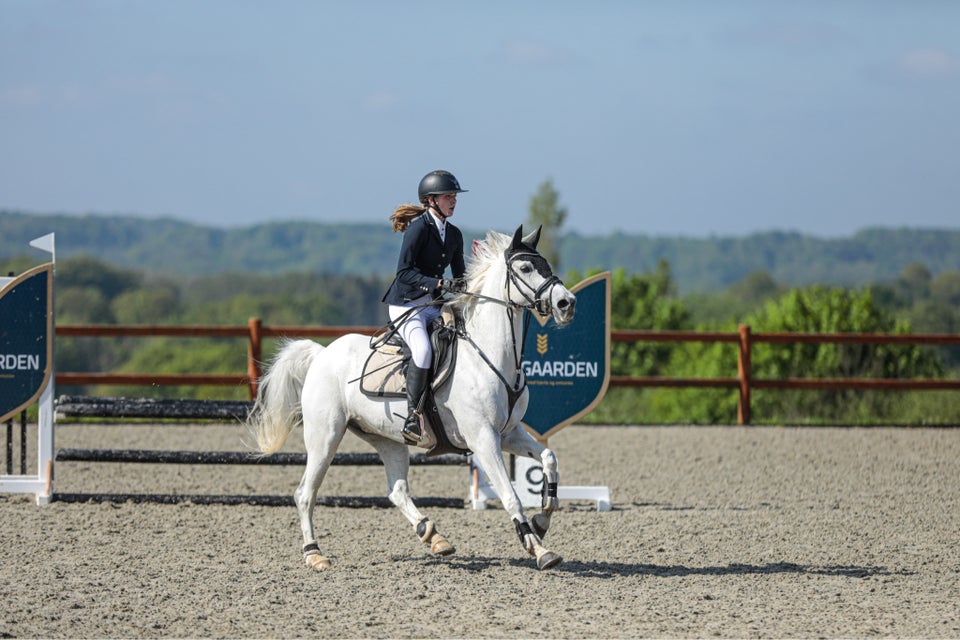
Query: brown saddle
{"points": [[384, 376]]}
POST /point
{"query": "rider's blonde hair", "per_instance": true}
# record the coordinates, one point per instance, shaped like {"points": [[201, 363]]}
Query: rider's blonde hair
{"points": [[404, 214]]}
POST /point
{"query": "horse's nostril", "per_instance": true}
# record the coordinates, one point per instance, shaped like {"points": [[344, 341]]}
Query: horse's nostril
{"points": [[563, 304]]}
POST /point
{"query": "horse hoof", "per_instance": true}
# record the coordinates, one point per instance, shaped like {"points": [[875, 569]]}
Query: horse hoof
{"points": [[548, 560], [443, 549], [317, 562], [440, 547]]}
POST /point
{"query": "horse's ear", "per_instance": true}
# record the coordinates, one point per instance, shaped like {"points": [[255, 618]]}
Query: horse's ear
{"points": [[532, 239], [517, 239]]}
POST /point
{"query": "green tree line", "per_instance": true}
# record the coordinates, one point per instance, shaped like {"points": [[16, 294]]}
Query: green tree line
{"points": [[92, 291], [913, 302], [707, 265]]}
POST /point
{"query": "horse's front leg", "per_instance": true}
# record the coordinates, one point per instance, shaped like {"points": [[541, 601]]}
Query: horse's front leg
{"points": [[487, 450], [520, 443]]}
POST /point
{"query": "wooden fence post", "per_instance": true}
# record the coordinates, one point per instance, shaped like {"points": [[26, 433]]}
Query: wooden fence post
{"points": [[743, 372], [254, 355]]}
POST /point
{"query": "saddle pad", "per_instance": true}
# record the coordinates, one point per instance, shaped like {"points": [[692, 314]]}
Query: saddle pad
{"points": [[383, 376], [382, 373]]}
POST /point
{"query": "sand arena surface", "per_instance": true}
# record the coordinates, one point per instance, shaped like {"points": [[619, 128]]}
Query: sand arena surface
{"points": [[716, 531]]}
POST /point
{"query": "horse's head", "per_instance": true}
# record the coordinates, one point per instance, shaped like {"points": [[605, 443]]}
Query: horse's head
{"points": [[531, 282]]}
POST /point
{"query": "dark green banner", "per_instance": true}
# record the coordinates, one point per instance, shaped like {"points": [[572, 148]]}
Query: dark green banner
{"points": [[568, 368], [26, 340]]}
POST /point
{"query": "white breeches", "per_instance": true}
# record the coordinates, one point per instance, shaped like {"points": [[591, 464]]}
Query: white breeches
{"points": [[414, 329]]}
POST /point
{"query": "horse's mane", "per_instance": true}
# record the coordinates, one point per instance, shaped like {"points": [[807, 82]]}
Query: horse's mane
{"points": [[487, 254]]}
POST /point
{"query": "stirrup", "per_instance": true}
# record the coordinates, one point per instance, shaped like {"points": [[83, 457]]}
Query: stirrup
{"points": [[412, 429]]}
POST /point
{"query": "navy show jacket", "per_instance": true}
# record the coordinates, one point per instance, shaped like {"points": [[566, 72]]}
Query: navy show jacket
{"points": [[423, 259]]}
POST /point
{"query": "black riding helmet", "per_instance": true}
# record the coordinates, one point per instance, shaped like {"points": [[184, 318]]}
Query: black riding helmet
{"points": [[436, 183]]}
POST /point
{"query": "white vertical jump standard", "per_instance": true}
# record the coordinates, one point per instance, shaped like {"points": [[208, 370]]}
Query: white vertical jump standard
{"points": [[528, 482], [41, 483]]}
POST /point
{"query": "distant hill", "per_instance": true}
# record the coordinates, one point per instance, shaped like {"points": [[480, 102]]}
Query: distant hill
{"points": [[170, 246]]}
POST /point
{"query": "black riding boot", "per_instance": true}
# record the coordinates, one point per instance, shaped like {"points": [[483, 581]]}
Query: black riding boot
{"points": [[416, 385]]}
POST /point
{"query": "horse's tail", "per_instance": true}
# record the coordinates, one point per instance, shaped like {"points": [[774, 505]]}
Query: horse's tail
{"points": [[277, 409]]}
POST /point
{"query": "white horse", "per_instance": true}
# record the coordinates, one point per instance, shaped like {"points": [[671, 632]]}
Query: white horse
{"points": [[481, 405]]}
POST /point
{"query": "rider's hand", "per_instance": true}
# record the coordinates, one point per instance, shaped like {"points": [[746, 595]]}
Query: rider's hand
{"points": [[455, 285]]}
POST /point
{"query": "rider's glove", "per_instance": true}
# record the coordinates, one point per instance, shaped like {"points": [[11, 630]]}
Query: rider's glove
{"points": [[455, 285]]}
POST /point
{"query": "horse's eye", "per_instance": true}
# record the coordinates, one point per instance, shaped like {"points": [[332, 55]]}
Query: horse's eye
{"points": [[525, 268]]}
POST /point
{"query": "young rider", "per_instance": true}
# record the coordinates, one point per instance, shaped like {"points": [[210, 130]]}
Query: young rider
{"points": [[431, 243]]}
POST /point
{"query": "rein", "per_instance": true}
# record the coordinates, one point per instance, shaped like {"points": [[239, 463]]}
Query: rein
{"points": [[535, 300], [390, 329]]}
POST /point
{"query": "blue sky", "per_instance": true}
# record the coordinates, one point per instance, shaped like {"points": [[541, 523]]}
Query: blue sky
{"points": [[663, 118]]}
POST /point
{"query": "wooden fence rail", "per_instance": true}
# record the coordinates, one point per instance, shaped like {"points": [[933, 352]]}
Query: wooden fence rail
{"points": [[744, 338]]}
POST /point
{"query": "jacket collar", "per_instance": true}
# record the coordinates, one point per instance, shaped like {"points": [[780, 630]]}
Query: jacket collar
{"points": [[433, 223]]}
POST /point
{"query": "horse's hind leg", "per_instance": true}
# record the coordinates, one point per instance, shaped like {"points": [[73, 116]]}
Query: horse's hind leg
{"points": [[521, 443], [396, 461], [321, 445]]}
